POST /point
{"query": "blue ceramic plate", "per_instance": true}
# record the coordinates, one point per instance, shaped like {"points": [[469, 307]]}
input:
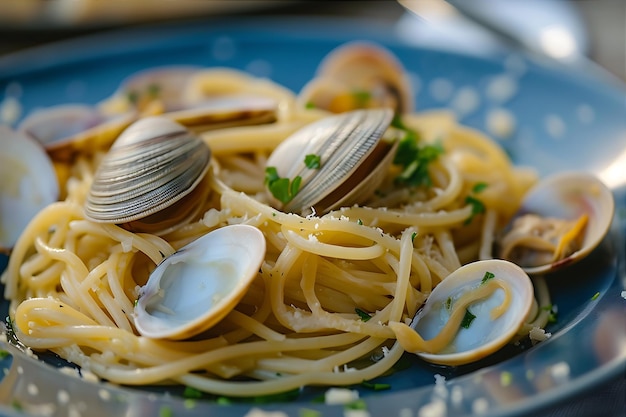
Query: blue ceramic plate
{"points": [[563, 119]]}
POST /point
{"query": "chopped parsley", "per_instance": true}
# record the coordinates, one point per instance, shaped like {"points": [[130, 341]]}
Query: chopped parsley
{"points": [[376, 386], [552, 316], [132, 97], [413, 236], [414, 159], [487, 277], [191, 392], [153, 90], [595, 296], [312, 161], [361, 97], [165, 411], [362, 314], [478, 207], [282, 189], [356, 405], [448, 303], [308, 412], [359, 222], [467, 319], [4, 354], [478, 187]]}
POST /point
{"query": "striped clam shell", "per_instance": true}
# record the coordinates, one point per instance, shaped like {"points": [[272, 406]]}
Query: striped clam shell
{"points": [[153, 164], [354, 157]]}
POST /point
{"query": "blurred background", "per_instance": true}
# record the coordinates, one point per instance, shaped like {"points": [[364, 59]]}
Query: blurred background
{"points": [[561, 29]]}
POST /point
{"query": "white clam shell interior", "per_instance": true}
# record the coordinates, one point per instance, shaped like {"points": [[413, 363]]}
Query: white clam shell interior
{"points": [[484, 336], [568, 195], [29, 183], [200, 284]]}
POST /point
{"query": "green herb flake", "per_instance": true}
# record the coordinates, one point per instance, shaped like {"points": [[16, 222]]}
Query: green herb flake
{"points": [[478, 207], [595, 296], [359, 222], [308, 412], [467, 319], [312, 161], [376, 386], [223, 401], [281, 188], [154, 90], [415, 160], [361, 97], [279, 397], [356, 405], [364, 316], [165, 411], [413, 236], [189, 404], [448, 303], [17, 405], [478, 187], [4, 354], [191, 392], [132, 97], [136, 302], [310, 105], [506, 378], [487, 277]]}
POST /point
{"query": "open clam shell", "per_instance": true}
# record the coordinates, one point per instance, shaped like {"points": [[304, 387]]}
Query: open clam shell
{"points": [[153, 165], [359, 75], [198, 285], [561, 220], [29, 183], [67, 129], [483, 335], [353, 153]]}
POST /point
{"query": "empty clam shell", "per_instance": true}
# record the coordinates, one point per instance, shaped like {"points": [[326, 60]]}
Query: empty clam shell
{"points": [[354, 154], [198, 285], [561, 220], [29, 183], [150, 167], [480, 332]]}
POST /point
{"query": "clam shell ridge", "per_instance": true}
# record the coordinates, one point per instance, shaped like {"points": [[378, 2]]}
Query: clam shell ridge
{"points": [[341, 141], [152, 165]]}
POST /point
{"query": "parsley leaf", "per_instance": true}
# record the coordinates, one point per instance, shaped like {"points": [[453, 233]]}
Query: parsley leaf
{"points": [[312, 161], [467, 319], [375, 386], [478, 207], [479, 186], [415, 160], [362, 314], [487, 277], [191, 392], [281, 188], [361, 97]]}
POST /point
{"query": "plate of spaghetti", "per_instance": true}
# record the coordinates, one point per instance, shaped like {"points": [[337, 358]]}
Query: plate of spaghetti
{"points": [[250, 218]]}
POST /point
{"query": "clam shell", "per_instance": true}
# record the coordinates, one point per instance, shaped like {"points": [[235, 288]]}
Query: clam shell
{"points": [[344, 142], [29, 183], [361, 67], [568, 196], [484, 336], [72, 128], [198, 285], [152, 165]]}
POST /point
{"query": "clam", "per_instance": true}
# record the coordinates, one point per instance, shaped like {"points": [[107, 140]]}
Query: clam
{"points": [[160, 84], [70, 128], [458, 324], [194, 288], [150, 179], [359, 75], [29, 183], [355, 149], [561, 220]]}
